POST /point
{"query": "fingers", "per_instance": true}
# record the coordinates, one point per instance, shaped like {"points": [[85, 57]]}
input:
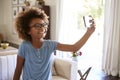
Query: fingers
{"points": [[93, 23], [91, 29]]}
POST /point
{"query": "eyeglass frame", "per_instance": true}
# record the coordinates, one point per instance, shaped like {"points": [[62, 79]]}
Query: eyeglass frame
{"points": [[39, 25]]}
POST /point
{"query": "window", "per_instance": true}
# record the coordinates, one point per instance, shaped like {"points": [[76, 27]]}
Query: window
{"points": [[72, 25]]}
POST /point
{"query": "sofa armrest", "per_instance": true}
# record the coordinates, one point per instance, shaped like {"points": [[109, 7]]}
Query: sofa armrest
{"points": [[66, 68]]}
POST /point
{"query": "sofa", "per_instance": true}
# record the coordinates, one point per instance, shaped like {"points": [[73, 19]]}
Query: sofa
{"points": [[64, 69]]}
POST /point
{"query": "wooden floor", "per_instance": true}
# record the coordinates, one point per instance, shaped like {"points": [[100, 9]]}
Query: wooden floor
{"points": [[110, 78], [96, 72]]}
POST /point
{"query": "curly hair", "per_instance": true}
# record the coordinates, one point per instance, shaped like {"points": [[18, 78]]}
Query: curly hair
{"points": [[23, 20]]}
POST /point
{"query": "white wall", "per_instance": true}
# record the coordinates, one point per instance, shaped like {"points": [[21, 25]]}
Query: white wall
{"points": [[6, 23], [1, 16]]}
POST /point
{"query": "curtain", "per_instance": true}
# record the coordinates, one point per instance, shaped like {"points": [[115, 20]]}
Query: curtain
{"points": [[66, 20], [66, 23], [111, 43], [59, 13]]}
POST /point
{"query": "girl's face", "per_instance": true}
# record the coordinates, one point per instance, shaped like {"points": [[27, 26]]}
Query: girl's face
{"points": [[38, 28]]}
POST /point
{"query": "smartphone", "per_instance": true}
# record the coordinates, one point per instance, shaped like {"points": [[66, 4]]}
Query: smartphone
{"points": [[87, 20]]}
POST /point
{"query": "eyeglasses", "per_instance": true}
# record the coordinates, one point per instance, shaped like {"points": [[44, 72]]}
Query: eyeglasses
{"points": [[39, 25]]}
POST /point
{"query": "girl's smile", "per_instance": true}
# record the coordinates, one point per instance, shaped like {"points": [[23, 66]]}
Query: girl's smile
{"points": [[38, 28]]}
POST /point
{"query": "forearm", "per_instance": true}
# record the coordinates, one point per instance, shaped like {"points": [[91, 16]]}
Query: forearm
{"points": [[85, 37], [82, 41], [18, 70], [74, 47], [17, 75]]}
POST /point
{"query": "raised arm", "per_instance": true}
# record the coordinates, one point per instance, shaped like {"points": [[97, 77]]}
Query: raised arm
{"points": [[76, 46]]}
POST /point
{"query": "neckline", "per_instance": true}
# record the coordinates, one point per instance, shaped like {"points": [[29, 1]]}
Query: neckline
{"points": [[36, 48]]}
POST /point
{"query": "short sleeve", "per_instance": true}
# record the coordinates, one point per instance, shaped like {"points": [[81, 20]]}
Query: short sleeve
{"points": [[21, 51], [50, 45], [53, 45]]}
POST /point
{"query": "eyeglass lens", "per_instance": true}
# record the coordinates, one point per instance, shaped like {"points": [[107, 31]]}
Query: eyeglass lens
{"points": [[38, 25]]}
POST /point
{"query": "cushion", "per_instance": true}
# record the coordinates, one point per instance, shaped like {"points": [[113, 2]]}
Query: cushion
{"points": [[58, 78], [53, 70], [63, 68]]}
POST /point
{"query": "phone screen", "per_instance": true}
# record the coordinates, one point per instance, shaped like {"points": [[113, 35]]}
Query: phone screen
{"points": [[87, 20]]}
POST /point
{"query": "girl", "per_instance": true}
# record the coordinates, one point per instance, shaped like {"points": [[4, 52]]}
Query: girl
{"points": [[34, 55]]}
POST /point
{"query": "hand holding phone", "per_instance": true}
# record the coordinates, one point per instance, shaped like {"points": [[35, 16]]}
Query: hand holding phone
{"points": [[87, 20]]}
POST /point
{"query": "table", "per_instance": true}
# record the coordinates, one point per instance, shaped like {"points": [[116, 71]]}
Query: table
{"points": [[7, 62], [8, 51]]}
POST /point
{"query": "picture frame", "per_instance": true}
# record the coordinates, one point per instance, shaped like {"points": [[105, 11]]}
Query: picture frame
{"points": [[21, 1], [14, 2], [15, 12], [17, 6]]}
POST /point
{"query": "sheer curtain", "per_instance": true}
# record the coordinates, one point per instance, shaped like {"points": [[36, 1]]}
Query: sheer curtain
{"points": [[111, 48], [66, 23]]}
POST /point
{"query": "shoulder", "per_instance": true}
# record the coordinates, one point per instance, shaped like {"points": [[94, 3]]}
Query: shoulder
{"points": [[24, 44], [48, 42], [24, 48]]}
